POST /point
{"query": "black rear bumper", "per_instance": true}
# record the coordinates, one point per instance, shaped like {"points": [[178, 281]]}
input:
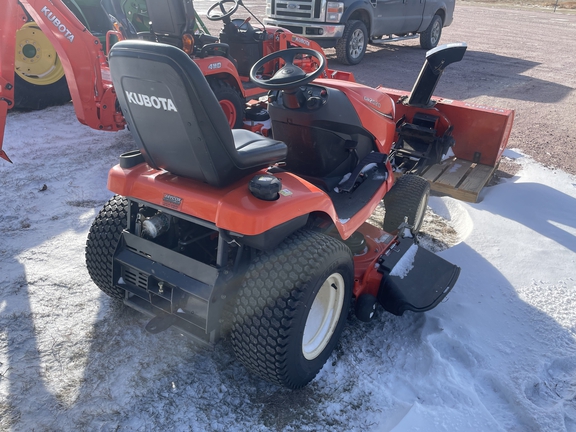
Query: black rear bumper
{"points": [[160, 282]]}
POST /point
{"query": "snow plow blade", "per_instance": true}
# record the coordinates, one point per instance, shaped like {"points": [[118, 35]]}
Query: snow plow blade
{"points": [[414, 279]]}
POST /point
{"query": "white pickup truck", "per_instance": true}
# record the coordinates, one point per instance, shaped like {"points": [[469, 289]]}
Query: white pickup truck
{"points": [[350, 25]]}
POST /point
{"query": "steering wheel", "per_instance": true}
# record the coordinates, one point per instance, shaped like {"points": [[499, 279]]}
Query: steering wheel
{"points": [[215, 16], [289, 75]]}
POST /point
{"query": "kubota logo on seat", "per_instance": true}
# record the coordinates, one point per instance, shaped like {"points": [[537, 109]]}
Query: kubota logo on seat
{"points": [[151, 101]]}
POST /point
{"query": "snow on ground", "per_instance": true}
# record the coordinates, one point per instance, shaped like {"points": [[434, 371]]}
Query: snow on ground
{"points": [[498, 355]]}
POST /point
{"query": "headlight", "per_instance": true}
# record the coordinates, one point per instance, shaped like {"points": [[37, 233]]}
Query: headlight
{"points": [[268, 8], [334, 11]]}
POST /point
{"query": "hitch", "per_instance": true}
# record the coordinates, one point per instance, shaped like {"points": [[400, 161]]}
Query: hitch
{"points": [[160, 323]]}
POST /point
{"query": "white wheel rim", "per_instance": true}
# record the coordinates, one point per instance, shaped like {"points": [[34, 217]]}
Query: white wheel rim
{"points": [[323, 316]]}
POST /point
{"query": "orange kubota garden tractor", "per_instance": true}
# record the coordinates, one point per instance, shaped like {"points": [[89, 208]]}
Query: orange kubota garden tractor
{"points": [[210, 219]]}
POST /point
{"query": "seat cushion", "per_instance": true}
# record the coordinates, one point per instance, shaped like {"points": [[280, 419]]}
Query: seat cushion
{"points": [[255, 150]]}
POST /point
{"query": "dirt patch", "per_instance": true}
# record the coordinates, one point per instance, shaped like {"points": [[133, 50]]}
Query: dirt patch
{"points": [[566, 5]]}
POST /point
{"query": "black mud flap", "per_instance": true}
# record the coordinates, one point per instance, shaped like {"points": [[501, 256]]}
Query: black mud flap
{"points": [[414, 278]]}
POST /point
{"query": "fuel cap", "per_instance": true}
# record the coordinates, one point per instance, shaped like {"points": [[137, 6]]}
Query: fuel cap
{"points": [[265, 187]]}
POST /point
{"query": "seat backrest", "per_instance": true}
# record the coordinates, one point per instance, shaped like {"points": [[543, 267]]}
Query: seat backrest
{"points": [[170, 17], [172, 113]]}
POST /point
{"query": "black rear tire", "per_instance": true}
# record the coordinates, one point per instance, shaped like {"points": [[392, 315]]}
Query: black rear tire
{"points": [[274, 332], [36, 97], [103, 239], [430, 37], [407, 198], [351, 48], [231, 102]]}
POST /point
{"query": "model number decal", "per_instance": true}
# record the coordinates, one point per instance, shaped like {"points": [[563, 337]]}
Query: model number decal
{"points": [[214, 65], [57, 23], [372, 101], [171, 201]]}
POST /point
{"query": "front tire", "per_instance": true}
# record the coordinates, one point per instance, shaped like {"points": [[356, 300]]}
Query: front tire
{"points": [[407, 198], [351, 48], [103, 239], [292, 308], [430, 37], [231, 102]]}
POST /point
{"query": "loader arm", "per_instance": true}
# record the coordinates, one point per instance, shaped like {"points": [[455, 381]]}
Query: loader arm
{"points": [[82, 57], [12, 18]]}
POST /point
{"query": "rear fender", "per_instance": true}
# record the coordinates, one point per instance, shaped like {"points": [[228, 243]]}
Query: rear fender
{"points": [[233, 208], [222, 68]]}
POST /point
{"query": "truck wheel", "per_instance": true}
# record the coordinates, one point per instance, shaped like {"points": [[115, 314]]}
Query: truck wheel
{"points": [[292, 307], [39, 79], [407, 198], [430, 37], [231, 102], [351, 48], [103, 239]]}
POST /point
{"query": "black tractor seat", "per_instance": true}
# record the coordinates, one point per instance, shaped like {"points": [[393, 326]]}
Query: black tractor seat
{"points": [[177, 121]]}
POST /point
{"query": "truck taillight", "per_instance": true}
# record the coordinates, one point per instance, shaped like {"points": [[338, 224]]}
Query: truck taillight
{"points": [[334, 11]]}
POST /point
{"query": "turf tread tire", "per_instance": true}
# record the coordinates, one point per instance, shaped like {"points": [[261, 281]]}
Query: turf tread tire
{"points": [[404, 200], [270, 311], [101, 244]]}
